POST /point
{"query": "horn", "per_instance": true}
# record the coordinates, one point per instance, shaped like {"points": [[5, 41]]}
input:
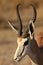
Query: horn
{"points": [[20, 21], [35, 13], [30, 26]]}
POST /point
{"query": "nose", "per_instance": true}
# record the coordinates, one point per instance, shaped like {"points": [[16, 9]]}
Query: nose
{"points": [[15, 59]]}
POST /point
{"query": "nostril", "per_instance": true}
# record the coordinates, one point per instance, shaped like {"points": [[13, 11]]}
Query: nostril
{"points": [[15, 59]]}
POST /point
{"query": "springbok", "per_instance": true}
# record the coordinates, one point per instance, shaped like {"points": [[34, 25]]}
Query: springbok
{"points": [[27, 45]]}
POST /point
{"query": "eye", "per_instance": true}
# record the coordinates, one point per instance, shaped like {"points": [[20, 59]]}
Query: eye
{"points": [[26, 43], [26, 35]]}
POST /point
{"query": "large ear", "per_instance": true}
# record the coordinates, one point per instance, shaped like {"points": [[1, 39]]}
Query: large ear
{"points": [[13, 28], [31, 29], [31, 23]]}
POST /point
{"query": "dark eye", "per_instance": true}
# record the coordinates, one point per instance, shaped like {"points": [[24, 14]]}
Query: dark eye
{"points": [[26, 35], [25, 43]]}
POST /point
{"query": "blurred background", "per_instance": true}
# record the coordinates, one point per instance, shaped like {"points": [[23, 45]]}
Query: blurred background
{"points": [[8, 37]]}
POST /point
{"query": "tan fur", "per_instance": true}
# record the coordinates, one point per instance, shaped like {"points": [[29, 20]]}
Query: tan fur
{"points": [[19, 39], [33, 63], [39, 39]]}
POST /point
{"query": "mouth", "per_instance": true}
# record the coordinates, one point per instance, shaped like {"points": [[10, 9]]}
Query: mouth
{"points": [[20, 56]]}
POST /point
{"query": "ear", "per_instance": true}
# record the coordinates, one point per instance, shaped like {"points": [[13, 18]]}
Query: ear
{"points": [[14, 28], [31, 29]]}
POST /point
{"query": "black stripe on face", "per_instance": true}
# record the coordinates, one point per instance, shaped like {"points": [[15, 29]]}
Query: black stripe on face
{"points": [[22, 51], [23, 48]]}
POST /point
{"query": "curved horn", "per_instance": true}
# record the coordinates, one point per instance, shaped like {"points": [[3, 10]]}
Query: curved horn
{"points": [[30, 28], [35, 13], [20, 22]]}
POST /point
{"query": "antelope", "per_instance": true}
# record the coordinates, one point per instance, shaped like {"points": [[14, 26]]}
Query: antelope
{"points": [[27, 44]]}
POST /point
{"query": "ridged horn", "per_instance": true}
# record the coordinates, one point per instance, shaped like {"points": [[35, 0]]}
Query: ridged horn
{"points": [[19, 20]]}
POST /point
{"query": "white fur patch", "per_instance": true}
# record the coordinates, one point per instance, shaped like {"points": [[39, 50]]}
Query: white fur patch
{"points": [[30, 34]]}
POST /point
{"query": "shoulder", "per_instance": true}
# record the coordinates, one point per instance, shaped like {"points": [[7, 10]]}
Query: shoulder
{"points": [[39, 39]]}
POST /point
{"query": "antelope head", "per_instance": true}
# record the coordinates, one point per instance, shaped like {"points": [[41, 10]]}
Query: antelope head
{"points": [[23, 37]]}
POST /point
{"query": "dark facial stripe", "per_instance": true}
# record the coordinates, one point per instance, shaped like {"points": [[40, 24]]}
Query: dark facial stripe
{"points": [[22, 51], [23, 48]]}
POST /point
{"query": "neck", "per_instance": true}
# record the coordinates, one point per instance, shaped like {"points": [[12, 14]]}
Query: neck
{"points": [[33, 50]]}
